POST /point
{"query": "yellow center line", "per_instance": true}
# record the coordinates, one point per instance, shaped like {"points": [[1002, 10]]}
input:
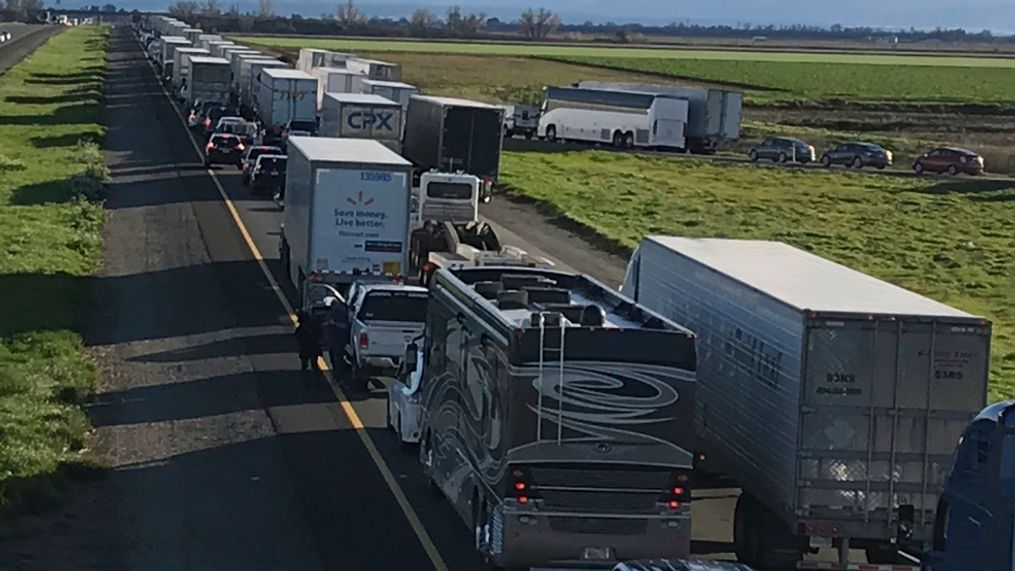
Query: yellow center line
{"points": [[347, 408]]}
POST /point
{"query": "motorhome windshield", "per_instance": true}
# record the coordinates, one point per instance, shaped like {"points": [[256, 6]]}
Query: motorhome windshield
{"points": [[449, 190]]}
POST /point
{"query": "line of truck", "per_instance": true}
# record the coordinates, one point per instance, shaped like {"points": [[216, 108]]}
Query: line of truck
{"points": [[569, 422]]}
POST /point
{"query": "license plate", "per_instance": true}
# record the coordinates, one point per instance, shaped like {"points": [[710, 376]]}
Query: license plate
{"points": [[597, 553]]}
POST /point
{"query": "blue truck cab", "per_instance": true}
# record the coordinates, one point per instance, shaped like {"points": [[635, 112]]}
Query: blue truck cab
{"points": [[975, 520]]}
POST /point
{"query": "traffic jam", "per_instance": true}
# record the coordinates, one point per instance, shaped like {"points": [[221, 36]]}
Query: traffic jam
{"points": [[571, 423]]}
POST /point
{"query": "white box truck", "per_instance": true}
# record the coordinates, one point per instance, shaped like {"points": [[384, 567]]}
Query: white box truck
{"points": [[243, 79], [714, 115], [396, 91], [286, 95], [335, 80], [311, 58], [375, 69], [832, 398], [180, 65], [204, 39], [191, 34], [362, 116], [622, 118], [208, 81], [235, 57], [346, 214], [169, 45], [256, 67]]}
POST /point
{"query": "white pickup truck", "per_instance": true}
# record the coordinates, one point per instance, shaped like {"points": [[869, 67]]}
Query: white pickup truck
{"points": [[385, 318]]}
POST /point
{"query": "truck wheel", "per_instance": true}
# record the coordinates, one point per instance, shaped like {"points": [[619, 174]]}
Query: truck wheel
{"points": [[746, 532], [528, 135]]}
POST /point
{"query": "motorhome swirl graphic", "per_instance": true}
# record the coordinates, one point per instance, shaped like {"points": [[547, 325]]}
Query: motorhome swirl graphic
{"points": [[557, 416]]}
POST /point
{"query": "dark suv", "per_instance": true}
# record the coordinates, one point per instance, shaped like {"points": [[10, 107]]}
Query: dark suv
{"points": [[223, 148], [268, 176], [783, 150], [951, 160], [857, 155]]}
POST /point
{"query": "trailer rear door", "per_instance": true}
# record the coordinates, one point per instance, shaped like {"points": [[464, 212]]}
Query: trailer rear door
{"points": [[884, 403], [472, 139]]}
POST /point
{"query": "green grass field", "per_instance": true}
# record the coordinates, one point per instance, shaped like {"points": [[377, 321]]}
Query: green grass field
{"points": [[49, 239], [815, 81], [951, 240], [523, 49]]}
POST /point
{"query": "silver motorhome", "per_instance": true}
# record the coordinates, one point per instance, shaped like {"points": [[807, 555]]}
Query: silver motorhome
{"points": [[834, 399]]}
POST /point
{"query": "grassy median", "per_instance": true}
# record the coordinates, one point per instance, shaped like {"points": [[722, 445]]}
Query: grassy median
{"points": [[950, 239], [51, 175]]}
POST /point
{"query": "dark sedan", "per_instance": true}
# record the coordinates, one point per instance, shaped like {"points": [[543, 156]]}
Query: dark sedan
{"points": [[951, 160], [857, 155], [250, 157], [223, 148], [268, 176], [783, 150]]}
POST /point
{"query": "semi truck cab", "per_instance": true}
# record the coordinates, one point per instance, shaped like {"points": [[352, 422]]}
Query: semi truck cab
{"points": [[975, 521]]}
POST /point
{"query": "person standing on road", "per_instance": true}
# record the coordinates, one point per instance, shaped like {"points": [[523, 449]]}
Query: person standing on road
{"points": [[308, 336], [336, 335]]}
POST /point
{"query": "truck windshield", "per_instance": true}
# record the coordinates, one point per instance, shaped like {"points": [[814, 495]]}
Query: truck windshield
{"points": [[449, 190], [394, 306]]}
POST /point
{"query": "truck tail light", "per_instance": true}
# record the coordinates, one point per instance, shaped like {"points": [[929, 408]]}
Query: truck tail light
{"points": [[210, 145], [679, 492], [521, 485], [364, 341]]}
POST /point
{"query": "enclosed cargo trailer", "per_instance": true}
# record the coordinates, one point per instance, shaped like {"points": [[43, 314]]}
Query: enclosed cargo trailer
{"points": [[335, 80], [286, 95], [396, 91], [362, 116], [834, 399]]}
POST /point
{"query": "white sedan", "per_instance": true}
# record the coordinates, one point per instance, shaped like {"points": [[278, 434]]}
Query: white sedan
{"points": [[404, 414]]}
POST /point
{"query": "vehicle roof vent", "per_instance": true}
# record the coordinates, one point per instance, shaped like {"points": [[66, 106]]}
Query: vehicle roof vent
{"points": [[512, 299], [548, 295], [489, 290], [522, 281], [592, 316], [549, 318]]}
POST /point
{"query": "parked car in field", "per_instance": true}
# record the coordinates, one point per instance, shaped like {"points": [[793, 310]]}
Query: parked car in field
{"points": [[951, 160], [250, 157], [783, 150], [857, 155], [268, 175], [223, 148]]}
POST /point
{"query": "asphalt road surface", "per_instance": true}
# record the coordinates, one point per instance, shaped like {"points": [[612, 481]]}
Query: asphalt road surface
{"points": [[25, 38], [223, 455]]}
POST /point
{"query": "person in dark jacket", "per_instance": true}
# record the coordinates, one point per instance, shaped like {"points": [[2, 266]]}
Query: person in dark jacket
{"points": [[308, 336], [336, 334]]}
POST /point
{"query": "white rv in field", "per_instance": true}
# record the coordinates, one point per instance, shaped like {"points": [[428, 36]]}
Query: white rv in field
{"points": [[622, 118]]}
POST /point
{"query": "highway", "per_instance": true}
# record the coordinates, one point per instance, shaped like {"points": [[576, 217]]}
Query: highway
{"points": [[24, 39], [224, 455]]}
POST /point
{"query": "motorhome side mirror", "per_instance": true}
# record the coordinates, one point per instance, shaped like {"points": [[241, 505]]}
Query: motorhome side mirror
{"points": [[410, 358]]}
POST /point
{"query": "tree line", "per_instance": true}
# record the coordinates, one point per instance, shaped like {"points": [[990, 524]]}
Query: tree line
{"points": [[532, 24]]}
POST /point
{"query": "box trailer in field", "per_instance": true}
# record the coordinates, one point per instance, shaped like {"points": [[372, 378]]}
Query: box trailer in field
{"points": [[834, 399], [362, 116], [311, 58], [375, 69], [346, 212], [209, 79], [335, 80], [256, 67], [452, 135], [621, 118], [169, 45], [181, 65], [713, 115], [396, 91], [286, 95]]}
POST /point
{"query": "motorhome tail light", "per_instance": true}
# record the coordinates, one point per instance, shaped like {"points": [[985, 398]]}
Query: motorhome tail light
{"points": [[674, 505], [210, 145], [240, 146], [523, 500], [364, 341], [520, 486], [679, 491]]}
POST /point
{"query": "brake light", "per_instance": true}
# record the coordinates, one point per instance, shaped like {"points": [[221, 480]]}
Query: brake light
{"points": [[674, 505], [240, 146], [364, 341], [520, 486], [523, 500], [210, 145], [207, 122]]}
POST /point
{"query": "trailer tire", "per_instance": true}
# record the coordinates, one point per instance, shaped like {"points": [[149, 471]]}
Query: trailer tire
{"points": [[746, 532]]}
